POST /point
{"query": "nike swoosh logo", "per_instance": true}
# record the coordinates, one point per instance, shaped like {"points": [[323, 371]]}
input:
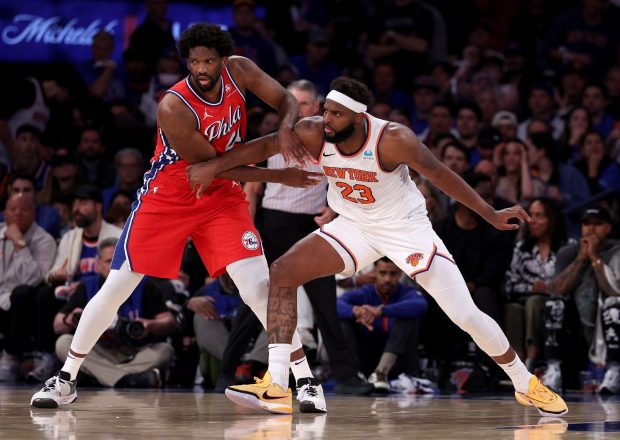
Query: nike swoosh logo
{"points": [[299, 362], [327, 155], [268, 397]]}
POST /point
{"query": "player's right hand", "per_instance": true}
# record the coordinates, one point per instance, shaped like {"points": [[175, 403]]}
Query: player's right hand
{"points": [[200, 175], [298, 178]]}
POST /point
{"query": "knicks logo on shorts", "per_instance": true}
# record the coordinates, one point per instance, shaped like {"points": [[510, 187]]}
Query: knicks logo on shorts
{"points": [[413, 259], [249, 240]]}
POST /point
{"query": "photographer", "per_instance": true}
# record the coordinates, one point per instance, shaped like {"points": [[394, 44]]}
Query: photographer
{"points": [[128, 354]]}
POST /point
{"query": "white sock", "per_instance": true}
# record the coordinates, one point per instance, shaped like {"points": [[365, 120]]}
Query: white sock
{"points": [[301, 369], [518, 374], [279, 364], [72, 365]]}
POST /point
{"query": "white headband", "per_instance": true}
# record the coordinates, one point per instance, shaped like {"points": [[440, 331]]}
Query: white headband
{"points": [[349, 103]]}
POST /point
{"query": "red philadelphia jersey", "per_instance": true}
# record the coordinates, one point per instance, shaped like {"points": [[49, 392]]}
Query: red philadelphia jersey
{"points": [[223, 123]]}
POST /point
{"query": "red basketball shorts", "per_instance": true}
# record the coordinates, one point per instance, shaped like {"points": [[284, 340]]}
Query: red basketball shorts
{"points": [[167, 213]]}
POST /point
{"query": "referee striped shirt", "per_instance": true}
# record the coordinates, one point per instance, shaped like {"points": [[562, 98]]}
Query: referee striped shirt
{"points": [[294, 200]]}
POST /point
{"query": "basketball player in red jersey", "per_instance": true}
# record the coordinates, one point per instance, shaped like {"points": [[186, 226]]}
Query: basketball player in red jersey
{"points": [[199, 118]]}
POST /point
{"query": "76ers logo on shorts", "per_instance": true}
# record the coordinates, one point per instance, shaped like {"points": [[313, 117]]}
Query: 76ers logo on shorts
{"points": [[249, 240], [413, 259]]}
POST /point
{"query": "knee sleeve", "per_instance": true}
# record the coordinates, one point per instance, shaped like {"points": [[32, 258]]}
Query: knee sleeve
{"points": [[251, 276]]}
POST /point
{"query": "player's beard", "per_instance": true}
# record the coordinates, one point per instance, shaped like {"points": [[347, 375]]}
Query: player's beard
{"points": [[212, 83], [340, 136]]}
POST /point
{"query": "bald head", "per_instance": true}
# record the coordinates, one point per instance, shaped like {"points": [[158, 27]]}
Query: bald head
{"points": [[21, 210]]}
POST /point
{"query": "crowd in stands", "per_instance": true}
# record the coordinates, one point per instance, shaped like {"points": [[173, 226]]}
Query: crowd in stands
{"points": [[521, 98]]}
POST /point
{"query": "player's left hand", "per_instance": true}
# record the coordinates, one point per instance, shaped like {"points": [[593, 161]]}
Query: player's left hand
{"points": [[501, 219], [200, 175], [292, 148]]}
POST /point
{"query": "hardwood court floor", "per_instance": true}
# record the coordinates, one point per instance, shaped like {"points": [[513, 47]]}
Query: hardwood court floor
{"points": [[125, 414]]}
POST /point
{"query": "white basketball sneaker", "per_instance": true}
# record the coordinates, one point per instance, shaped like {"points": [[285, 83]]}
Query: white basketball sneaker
{"points": [[310, 396], [58, 390]]}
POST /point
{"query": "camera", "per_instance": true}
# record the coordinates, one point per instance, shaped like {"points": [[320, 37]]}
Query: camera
{"points": [[128, 329]]}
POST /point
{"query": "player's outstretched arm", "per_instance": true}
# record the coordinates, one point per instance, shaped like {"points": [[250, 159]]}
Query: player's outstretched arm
{"points": [[270, 91], [229, 164], [401, 145]]}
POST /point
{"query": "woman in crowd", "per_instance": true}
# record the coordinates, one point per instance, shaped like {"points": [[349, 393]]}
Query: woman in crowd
{"points": [[532, 266]]}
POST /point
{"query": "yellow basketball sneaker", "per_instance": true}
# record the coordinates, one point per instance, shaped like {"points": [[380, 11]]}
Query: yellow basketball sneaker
{"points": [[263, 395], [546, 401]]}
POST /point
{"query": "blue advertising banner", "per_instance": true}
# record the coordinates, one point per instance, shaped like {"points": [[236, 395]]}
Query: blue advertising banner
{"points": [[46, 31]]}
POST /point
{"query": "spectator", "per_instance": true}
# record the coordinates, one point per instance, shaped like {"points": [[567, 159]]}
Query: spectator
{"points": [[439, 122], [75, 259], [515, 183], [120, 208], [528, 278], [594, 99], [27, 254], [64, 178], [381, 321], [46, 216], [584, 36], [488, 139], [467, 126], [93, 166], [586, 274], [507, 124], [424, 97], [248, 41], [23, 103], [27, 154], [384, 89], [612, 82], [578, 123], [540, 106], [154, 34], [101, 74], [403, 35], [601, 172], [316, 65], [169, 71], [129, 165], [127, 354], [456, 157], [570, 88], [551, 178]]}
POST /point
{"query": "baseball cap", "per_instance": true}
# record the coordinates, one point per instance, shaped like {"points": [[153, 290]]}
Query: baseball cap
{"points": [[88, 192], [425, 82], [504, 117], [598, 213]]}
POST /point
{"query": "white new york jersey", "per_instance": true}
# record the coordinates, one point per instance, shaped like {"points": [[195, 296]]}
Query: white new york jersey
{"points": [[361, 190]]}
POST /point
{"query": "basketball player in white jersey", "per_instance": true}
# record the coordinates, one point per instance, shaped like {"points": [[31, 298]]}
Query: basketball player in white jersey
{"points": [[381, 213]]}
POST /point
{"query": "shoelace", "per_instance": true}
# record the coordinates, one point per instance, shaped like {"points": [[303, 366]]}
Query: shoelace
{"points": [[52, 384], [312, 391]]}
